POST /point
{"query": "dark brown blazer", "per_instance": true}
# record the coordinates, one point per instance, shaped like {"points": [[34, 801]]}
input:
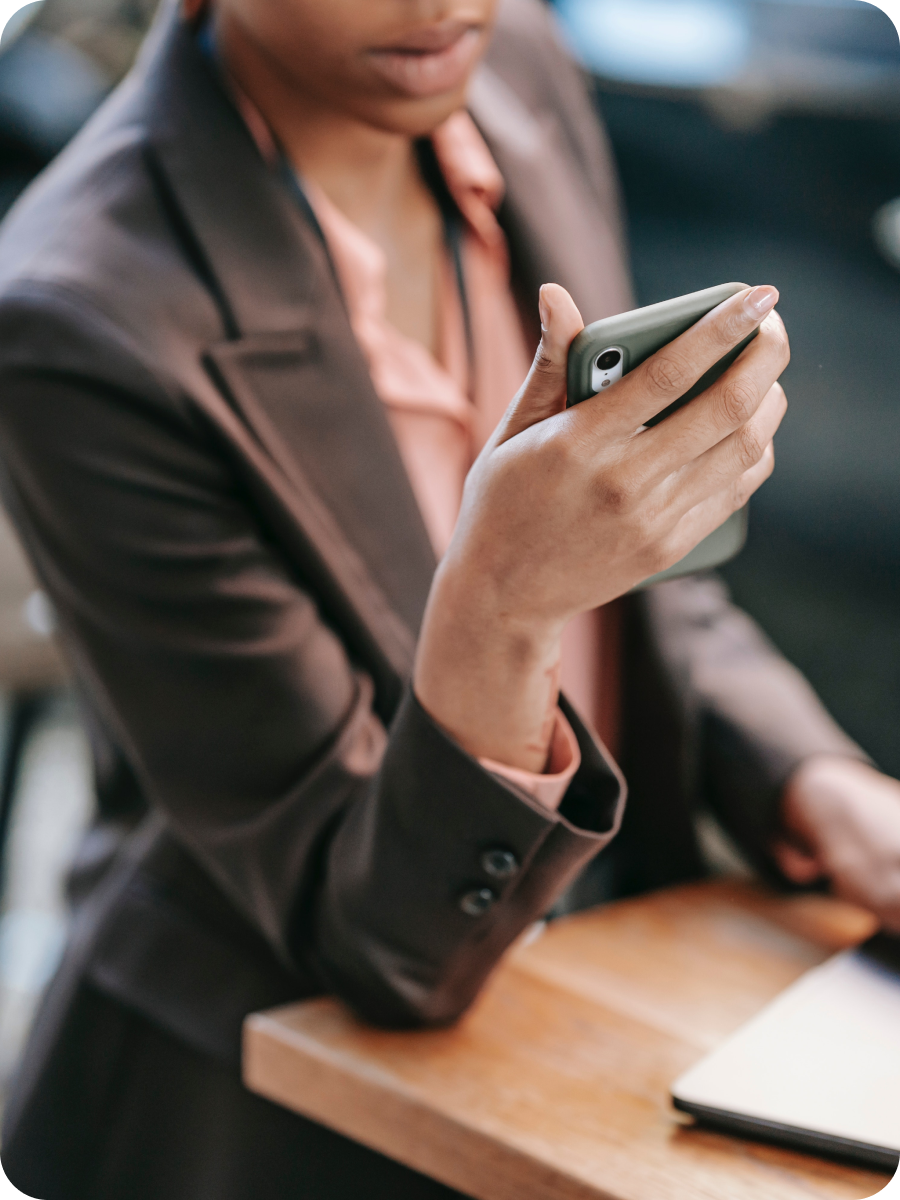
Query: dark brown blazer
{"points": [[208, 487]]}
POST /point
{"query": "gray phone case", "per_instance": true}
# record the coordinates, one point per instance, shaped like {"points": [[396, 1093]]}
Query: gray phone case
{"points": [[639, 334]]}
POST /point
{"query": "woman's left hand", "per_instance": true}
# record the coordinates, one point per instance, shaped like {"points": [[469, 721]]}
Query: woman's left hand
{"points": [[842, 823]]}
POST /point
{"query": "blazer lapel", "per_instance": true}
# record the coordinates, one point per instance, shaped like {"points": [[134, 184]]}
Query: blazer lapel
{"points": [[289, 364], [559, 228]]}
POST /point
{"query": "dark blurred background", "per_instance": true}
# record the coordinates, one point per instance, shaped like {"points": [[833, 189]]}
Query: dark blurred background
{"points": [[757, 140]]}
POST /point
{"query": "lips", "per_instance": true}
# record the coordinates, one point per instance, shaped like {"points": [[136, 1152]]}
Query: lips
{"points": [[430, 61]]}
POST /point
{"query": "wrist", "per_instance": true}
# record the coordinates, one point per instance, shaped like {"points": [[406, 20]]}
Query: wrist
{"points": [[487, 676], [467, 608]]}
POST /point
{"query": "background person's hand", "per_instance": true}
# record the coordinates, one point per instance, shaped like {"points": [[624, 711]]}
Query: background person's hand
{"points": [[567, 509], [842, 823]]}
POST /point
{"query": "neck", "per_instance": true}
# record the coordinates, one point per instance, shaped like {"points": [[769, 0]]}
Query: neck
{"points": [[363, 170]]}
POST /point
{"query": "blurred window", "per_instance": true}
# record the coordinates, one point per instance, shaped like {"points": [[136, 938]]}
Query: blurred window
{"points": [[748, 58], [14, 15], [681, 43]]}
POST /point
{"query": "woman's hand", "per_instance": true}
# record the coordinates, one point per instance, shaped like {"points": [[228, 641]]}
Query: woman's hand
{"points": [[842, 823], [567, 509]]}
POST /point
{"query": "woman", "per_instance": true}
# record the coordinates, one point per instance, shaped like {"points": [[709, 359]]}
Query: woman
{"points": [[257, 323]]}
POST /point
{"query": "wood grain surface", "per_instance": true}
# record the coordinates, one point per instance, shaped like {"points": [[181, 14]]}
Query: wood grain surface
{"points": [[556, 1085]]}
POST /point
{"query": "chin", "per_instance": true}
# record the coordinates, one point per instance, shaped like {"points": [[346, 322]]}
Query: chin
{"points": [[418, 118]]}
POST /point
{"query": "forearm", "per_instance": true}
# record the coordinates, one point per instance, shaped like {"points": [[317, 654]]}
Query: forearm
{"points": [[754, 715], [489, 678]]}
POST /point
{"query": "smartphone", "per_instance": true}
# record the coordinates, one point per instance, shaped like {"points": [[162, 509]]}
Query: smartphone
{"points": [[605, 351]]}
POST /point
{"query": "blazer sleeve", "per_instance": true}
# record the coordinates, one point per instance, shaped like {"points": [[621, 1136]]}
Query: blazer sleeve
{"points": [[752, 718], [360, 851]]}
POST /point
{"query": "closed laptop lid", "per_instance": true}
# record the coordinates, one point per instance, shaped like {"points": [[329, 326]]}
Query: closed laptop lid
{"points": [[819, 1067]]}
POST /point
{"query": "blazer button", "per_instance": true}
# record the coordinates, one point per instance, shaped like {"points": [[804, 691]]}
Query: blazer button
{"points": [[476, 902], [499, 863]]}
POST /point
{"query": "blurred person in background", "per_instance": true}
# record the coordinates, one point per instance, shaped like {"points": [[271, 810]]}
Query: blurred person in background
{"points": [[320, 580]]}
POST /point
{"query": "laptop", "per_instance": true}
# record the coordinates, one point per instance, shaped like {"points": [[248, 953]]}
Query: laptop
{"points": [[819, 1068]]}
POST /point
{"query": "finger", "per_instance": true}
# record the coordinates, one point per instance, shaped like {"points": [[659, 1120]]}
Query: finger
{"points": [[798, 865], [544, 391], [725, 407], [673, 371], [730, 459], [856, 887], [699, 522]]}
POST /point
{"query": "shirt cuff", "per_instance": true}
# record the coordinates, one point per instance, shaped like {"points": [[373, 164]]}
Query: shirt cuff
{"points": [[564, 760]]}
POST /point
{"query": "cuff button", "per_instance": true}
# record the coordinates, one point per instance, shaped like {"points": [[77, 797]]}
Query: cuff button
{"points": [[476, 902], [499, 863]]}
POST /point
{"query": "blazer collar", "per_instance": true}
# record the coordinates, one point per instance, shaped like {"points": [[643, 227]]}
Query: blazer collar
{"points": [[559, 228], [253, 241]]}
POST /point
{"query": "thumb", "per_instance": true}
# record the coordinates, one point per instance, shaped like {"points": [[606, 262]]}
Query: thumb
{"points": [[544, 391]]}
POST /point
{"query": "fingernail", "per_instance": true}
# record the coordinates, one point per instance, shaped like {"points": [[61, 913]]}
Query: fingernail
{"points": [[760, 301], [544, 310]]}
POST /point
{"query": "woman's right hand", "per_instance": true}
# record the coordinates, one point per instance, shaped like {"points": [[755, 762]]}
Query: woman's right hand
{"points": [[566, 509]]}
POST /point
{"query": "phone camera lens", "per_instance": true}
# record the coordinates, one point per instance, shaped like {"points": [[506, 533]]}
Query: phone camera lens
{"points": [[609, 359]]}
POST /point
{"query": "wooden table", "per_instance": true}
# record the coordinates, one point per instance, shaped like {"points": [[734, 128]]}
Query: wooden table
{"points": [[555, 1085]]}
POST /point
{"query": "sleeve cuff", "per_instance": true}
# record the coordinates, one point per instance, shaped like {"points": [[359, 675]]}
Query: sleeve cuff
{"points": [[564, 761]]}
